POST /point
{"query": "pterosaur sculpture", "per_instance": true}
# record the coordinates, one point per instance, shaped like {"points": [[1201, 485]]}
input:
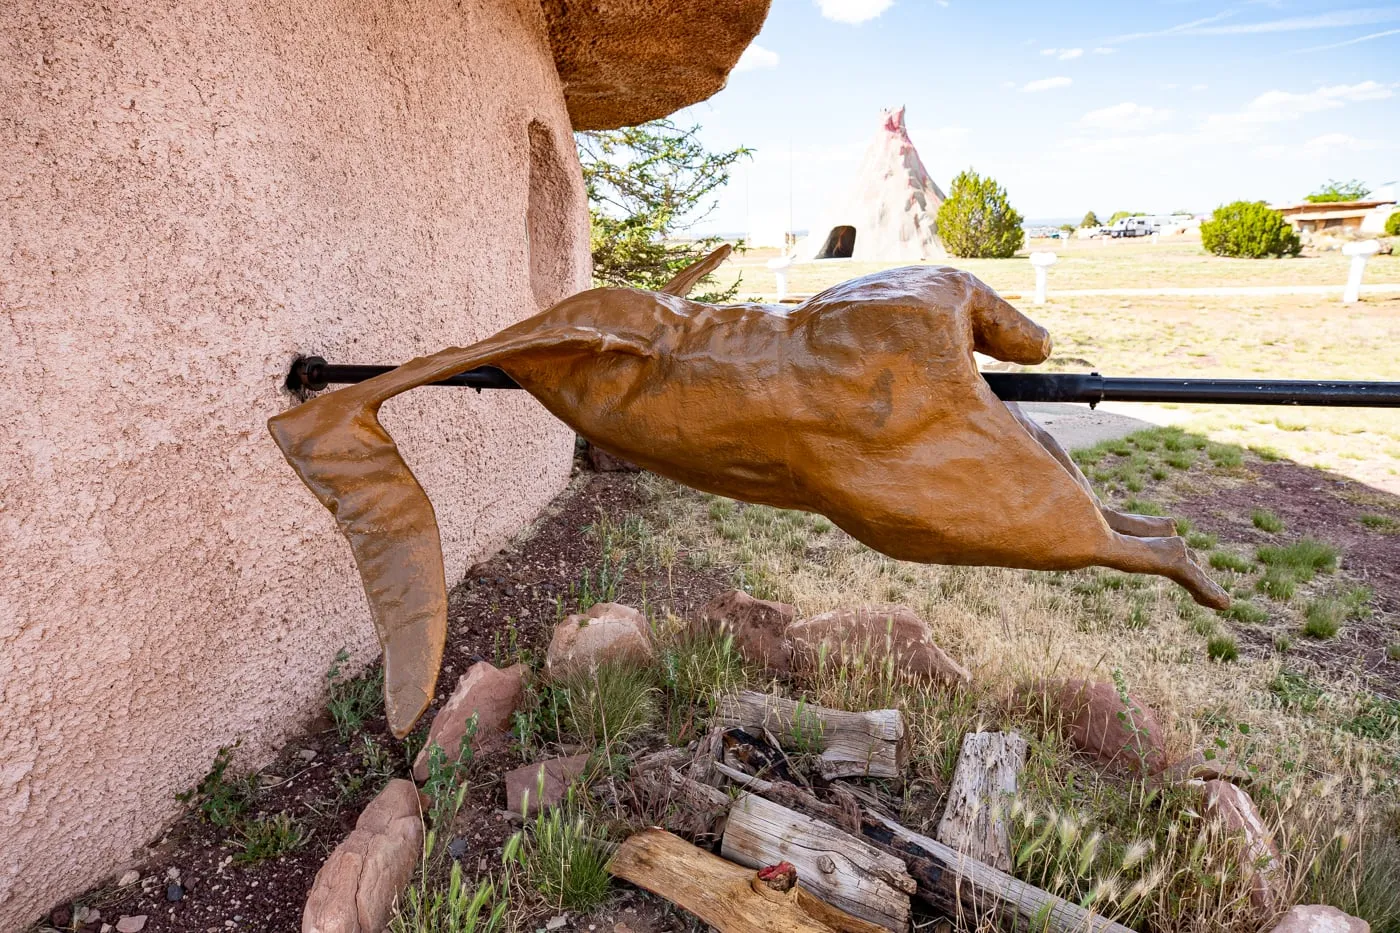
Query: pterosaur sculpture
{"points": [[863, 403]]}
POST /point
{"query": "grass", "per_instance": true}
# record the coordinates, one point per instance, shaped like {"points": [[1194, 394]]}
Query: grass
{"points": [[268, 837], [1323, 618], [1266, 520], [610, 704], [1392, 651], [563, 856], [1223, 648], [352, 701], [1303, 559], [223, 796], [1242, 610], [1385, 524], [1226, 560]]}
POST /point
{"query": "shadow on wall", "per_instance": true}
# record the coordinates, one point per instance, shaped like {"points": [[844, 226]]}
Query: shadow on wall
{"points": [[548, 218], [840, 244]]}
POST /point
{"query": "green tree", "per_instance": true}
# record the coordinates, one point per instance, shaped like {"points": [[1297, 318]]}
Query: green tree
{"points": [[1392, 224], [1090, 220], [977, 221], [1249, 229], [1119, 215], [1334, 190], [647, 184]]}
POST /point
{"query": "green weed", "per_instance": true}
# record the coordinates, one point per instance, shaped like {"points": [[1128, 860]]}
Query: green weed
{"points": [[352, 700], [1266, 520], [1226, 560], [1246, 612], [610, 704], [1323, 617], [1385, 524], [564, 857], [1223, 648], [268, 837], [222, 797]]}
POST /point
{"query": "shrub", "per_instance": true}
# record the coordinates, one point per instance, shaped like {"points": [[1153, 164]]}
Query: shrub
{"points": [[1392, 224], [1266, 520], [1090, 220], [1323, 618], [977, 221], [610, 703], [1249, 230]]}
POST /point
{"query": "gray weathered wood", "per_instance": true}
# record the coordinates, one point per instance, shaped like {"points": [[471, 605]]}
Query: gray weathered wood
{"points": [[961, 886], [984, 782], [841, 869], [870, 744]]}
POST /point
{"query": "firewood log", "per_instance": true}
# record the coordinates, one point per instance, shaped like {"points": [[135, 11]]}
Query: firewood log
{"points": [[871, 744], [984, 781]]}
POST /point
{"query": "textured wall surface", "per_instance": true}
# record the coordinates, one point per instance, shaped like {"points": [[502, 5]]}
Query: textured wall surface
{"points": [[193, 193]]}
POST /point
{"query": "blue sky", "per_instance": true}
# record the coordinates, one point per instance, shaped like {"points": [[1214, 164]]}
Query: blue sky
{"points": [[1151, 105]]}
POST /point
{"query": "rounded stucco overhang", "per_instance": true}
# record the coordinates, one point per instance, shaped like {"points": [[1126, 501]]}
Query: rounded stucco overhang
{"points": [[624, 62]]}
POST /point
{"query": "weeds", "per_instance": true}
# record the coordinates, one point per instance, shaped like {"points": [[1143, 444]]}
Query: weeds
{"points": [[610, 704], [1265, 520], [1223, 648], [1226, 560], [1304, 558], [1323, 617], [222, 797], [1385, 524], [563, 856], [268, 837], [352, 700]]}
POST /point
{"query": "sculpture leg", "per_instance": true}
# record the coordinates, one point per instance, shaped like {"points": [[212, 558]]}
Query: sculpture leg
{"points": [[1168, 557], [1128, 523]]}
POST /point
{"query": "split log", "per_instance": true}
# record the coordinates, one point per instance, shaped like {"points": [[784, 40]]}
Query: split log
{"points": [[974, 821], [870, 744], [843, 870], [959, 886], [724, 895]]}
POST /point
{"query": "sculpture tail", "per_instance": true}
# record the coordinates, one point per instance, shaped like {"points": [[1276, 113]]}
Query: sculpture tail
{"points": [[342, 453]]}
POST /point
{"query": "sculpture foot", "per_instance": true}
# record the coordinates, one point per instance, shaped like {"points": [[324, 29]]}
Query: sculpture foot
{"points": [[1139, 526]]}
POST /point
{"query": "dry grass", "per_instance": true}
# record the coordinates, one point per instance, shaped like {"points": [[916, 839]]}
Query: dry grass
{"points": [[1097, 837]]}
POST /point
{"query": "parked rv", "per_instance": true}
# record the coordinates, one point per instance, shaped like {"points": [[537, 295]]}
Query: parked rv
{"points": [[1132, 226]]}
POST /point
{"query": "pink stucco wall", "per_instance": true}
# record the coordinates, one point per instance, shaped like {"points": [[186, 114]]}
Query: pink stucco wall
{"points": [[192, 193]]}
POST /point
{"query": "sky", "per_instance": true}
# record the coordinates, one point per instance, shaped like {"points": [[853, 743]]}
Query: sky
{"points": [[1146, 105]]}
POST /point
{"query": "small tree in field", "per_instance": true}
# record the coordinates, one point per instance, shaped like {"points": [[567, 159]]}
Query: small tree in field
{"points": [[645, 185], [1090, 220], [1249, 230], [977, 221], [1334, 190], [1392, 224]]}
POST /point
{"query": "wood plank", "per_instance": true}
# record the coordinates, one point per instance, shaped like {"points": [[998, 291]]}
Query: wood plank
{"points": [[841, 869], [721, 893], [965, 888], [984, 782], [869, 744]]}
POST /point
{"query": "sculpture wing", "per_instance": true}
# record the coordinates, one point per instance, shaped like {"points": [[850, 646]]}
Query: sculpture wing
{"points": [[337, 446]]}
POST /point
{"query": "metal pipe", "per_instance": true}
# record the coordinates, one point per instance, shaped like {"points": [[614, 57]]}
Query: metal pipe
{"points": [[313, 373]]}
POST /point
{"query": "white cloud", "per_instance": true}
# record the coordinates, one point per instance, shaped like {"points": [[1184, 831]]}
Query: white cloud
{"points": [[1280, 106], [1338, 45], [1046, 84], [1361, 17], [1125, 116], [755, 58], [943, 3], [1063, 55], [1171, 30], [1326, 146], [1200, 87], [853, 11], [1103, 50]]}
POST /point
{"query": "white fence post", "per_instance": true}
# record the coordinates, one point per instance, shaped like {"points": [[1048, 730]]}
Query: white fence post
{"points": [[1359, 253], [1042, 263]]}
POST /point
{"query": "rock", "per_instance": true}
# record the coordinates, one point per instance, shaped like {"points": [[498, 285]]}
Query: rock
{"points": [[129, 877], [555, 922], [606, 632], [174, 892], [759, 627], [92, 915], [1236, 811], [1090, 713], [603, 462], [61, 916], [558, 773], [132, 924], [486, 691], [1196, 766], [875, 633], [1315, 918], [457, 848], [307, 754], [355, 890]]}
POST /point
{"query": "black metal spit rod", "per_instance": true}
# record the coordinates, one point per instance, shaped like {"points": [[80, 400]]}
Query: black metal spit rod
{"points": [[312, 372]]}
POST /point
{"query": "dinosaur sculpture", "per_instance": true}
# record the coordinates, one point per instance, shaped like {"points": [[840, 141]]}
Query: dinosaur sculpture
{"points": [[863, 403]]}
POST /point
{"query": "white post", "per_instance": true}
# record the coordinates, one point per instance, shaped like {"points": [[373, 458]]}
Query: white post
{"points": [[1042, 263], [780, 271], [1359, 253]]}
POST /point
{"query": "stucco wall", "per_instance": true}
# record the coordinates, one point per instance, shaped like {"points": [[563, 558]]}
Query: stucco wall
{"points": [[193, 193]]}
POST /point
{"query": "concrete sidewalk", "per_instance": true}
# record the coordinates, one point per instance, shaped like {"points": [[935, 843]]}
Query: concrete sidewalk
{"points": [[1076, 426]]}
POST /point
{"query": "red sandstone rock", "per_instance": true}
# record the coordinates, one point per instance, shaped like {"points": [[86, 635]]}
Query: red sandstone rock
{"points": [[558, 773], [1098, 722], [1315, 918], [759, 627], [486, 691], [355, 889], [1236, 811], [607, 632], [875, 633]]}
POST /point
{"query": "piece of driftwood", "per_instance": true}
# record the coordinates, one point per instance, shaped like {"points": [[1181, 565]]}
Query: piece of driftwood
{"points": [[841, 869], [870, 744], [724, 895], [960, 886], [984, 781]]}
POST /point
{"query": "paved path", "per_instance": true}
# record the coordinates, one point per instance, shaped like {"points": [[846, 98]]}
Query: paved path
{"points": [[1383, 288], [1076, 426]]}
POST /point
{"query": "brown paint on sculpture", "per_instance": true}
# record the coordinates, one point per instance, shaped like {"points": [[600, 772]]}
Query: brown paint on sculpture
{"points": [[863, 403]]}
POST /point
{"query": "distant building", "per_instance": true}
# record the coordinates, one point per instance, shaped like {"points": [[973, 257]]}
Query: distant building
{"points": [[1339, 217]]}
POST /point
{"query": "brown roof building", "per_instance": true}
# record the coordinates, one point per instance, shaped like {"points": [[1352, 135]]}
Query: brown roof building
{"points": [[195, 193], [1343, 217]]}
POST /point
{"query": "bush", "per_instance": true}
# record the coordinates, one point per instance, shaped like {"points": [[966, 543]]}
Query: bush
{"points": [[1392, 223], [1249, 230], [977, 221], [1090, 220], [1335, 191]]}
